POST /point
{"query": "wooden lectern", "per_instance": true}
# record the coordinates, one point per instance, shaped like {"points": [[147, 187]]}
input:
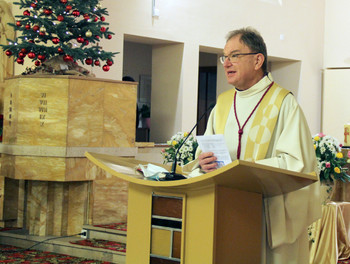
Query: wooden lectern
{"points": [[215, 218]]}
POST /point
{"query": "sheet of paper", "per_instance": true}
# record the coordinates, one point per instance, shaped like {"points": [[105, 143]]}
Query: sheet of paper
{"points": [[217, 145], [151, 170]]}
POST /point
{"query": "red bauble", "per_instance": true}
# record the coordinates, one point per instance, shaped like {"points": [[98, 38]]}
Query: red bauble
{"points": [[98, 37], [26, 13], [76, 13], [80, 39], [34, 5], [18, 23], [27, 26], [103, 18], [68, 7], [60, 18], [20, 61], [63, 1], [96, 19], [67, 58], [31, 41], [86, 42], [8, 52], [88, 61], [60, 50], [21, 55], [55, 40], [47, 12], [103, 29], [37, 63], [109, 36], [36, 28], [97, 63], [31, 55], [86, 16], [42, 33], [24, 51], [105, 68], [109, 62], [41, 57]]}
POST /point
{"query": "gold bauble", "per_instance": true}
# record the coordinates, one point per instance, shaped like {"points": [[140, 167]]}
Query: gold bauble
{"points": [[88, 34]]}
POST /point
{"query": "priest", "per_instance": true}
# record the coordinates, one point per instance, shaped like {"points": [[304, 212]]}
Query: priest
{"points": [[262, 123]]}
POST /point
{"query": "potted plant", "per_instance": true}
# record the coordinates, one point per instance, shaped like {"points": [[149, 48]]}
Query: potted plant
{"points": [[186, 153], [330, 162]]}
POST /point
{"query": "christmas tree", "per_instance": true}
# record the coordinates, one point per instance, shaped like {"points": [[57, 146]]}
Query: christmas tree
{"points": [[71, 29]]}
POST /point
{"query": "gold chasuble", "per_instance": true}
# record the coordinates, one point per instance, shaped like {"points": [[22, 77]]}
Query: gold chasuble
{"points": [[264, 122], [275, 133]]}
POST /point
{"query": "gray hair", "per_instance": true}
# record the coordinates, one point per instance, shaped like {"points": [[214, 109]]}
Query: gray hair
{"points": [[251, 38]]}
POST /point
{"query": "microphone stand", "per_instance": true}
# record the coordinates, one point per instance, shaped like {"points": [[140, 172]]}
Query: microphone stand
{"points": [[173, 176]]}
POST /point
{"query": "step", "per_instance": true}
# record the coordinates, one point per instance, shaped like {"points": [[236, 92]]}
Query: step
{"points": [[61, 245], [105, 233]]}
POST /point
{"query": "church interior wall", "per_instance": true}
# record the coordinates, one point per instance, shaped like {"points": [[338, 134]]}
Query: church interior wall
{"points": [[293, 30], [335, 93]]}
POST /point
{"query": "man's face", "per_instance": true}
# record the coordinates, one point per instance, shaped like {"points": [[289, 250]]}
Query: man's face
{"points": [[245, 70]]}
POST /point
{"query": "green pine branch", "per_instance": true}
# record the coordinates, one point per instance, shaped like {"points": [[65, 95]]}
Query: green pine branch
{"points": [[52, 27]]}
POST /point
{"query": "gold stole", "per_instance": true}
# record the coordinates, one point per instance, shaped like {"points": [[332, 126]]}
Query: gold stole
{"points": [[263, 124]]}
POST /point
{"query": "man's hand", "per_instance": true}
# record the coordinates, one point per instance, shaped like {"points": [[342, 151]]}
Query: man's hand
{"points": [[207, 161]]}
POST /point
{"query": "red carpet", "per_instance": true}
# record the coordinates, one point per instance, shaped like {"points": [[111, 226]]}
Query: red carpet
{"points": [[8, 228], [115, 226], [8, 254], [100, 243]]}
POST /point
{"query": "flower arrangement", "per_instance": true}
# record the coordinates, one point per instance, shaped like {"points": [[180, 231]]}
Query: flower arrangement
{"points": [[330, 160], [187, 151]]}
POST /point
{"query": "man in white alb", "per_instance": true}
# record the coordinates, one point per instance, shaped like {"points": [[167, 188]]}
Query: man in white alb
{"points": [[263, 123]]}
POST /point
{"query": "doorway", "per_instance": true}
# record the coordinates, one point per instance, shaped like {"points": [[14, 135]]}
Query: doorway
{"points": [[206, 88]]}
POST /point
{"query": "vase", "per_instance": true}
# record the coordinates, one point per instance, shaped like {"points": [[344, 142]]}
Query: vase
{"points": [[327, 191]]}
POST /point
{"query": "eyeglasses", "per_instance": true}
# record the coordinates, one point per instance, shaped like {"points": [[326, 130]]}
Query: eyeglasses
{"points": [[234, 56]]}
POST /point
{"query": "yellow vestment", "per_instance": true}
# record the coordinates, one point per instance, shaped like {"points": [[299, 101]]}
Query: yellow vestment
{"points": [[289, 147]]}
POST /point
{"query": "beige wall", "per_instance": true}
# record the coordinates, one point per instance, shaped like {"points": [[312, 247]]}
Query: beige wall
{"points": [[137, 60], [292, 30], [335, 106], [336, 92], [337, 34]]}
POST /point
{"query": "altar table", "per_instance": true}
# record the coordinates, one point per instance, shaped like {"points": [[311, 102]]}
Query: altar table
{"points": [[331, 234]]}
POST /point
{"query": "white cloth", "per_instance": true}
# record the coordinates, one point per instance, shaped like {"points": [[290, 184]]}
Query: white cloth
{"points": [[287, 217]]}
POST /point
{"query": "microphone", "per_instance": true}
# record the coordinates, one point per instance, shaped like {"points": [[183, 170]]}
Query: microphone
{"points": [[173, 176]]}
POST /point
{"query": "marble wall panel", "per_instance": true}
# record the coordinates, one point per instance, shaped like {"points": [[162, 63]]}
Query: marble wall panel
{"points": [[10, 99], [40, 168], [11, 199], [69, 111], [37, 207], [21, 205], [85, 116], [110, 201], [77, 206], [36, 111], [76, 169], [11, 202], [2, 196], [56, 208], [8, 165], [119, 115]]}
